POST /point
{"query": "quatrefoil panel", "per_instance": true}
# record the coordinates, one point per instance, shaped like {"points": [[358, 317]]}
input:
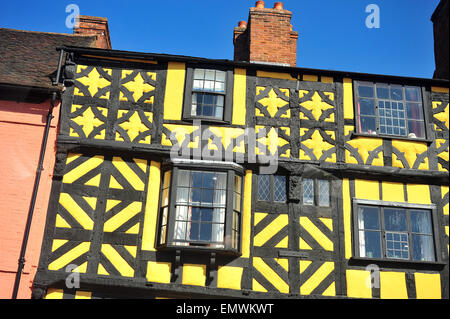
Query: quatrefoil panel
{"points": [[137, 86], [272, 102], [134, 126], [94, 82]]}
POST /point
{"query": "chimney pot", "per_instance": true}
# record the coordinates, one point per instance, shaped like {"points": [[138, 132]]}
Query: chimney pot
{"points": [[259, 4], [278, 5], [242, 24]]}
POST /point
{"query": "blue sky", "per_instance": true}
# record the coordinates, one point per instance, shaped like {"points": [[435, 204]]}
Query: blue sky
{"points": [[332, 34]]}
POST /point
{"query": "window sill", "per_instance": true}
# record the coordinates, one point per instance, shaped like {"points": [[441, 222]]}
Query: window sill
{"points": [[200, 249], [397, 263], [204, 119], [389, 137]]}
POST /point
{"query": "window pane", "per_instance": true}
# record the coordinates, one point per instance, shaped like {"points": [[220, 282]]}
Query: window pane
{"points": [[365, 91], [208, 180], [421, 222], [198, 85], [194, 231], [237, 184], [423, 247], [324, 193], [366, 106], [217, 232], [196, 214], [180, 230], [414, 111], [382, 92], [237, 202], [182, 213], [207, 197], [370, 244], [219, 215], [196, 179], [264, 187], [416, 129], [184, 178], [221, 181], [167, 176], [199, 74], [368, 125], [219, 87], [369, 217], [218, 112], [220, 197], [182, 195], [412, 94], [308, 191], [395, 219], [210, 75], [220, 76], [279, 188], [205, 232], [396, 93]]}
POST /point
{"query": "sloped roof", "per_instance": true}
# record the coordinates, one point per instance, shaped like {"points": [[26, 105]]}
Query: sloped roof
{"points": [[30, 59]]}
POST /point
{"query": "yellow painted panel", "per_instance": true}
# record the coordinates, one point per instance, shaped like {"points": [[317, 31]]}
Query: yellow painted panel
{"points": [[82, 169], [312, 78], [439, 89], [83, 295], [444, 190], [348, 98], [71, 255], [246, 214], [418, 193], [393, 285], [328, 222], [180, 132], [54, 293], [117, 260], [316, 233], [330, 291], [194, 275], [101, 270], [326, 79], [61, 222], [258, 217], [411, 150], [128, 173], [428, 286], [357, 284], [122, 217], [275, 75], [272, 229], [315, 279], [58, 243], [239, 96], [151, 208], [159, 272], [94, 181], [229, 277], [304, 245], [365, 189], [256, 286], [393, 192], [270, 275], [304, 264], [173, 100], [347, 217], [365, 146], [76, 211], [71, 157]]}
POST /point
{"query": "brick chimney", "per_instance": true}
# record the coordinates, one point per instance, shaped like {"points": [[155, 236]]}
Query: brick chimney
{"points": [[267, 37], [97, 26], [440, 30]]}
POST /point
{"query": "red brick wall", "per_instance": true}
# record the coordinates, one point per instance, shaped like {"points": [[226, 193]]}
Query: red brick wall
{"points": [[94, 26], [268, 37], [21, 130]]}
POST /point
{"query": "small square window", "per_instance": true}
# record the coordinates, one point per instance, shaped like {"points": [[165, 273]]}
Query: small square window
{"points": [[316, 192], [272, 188], [208, 94]]}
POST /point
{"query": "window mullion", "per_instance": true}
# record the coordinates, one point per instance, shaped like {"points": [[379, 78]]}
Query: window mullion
{"points": [[408, 221], [171, 214], [383, 232]]}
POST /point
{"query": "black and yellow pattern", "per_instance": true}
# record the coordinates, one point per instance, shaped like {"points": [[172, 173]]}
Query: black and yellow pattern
{"points": [[100, 214]]}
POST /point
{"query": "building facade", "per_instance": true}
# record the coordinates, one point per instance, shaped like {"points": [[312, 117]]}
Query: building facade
{"points": [[183, 177]]}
